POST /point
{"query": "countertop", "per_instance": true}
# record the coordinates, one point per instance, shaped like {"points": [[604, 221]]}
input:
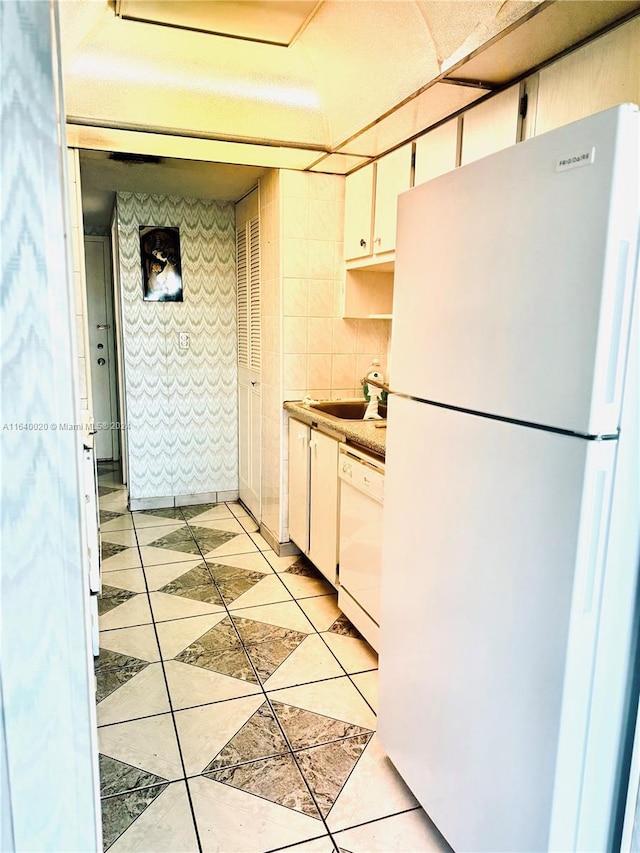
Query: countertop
{"points": [[364, 434]]}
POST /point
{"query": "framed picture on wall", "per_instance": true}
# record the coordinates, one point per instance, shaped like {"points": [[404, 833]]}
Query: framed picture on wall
{"points": [[161, 266]]}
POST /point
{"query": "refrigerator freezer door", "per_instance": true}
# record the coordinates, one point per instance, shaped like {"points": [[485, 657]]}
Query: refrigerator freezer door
{"points": [[492, 567], [514, 278]]}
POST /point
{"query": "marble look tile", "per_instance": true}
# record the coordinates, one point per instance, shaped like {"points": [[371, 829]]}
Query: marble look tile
{"points": [[125, 579], [175, 636], [253, 632], [285, 615], [135, 611], [191, 685], [167, 607], [343, 626], [241, 544], [125, 538], [116, 777], [326, 768], [367, 684], [254, 562], [280, 564], [268, 590], [306, 728], [411, 830], [149, 744], [360, 801], [161, 574], [110, 680], [232, 662], [111, 549], [119, 812], [337, 698], [314, 845], [196, 583], [275, 779], [205, 730], [233, 582], [267, 657], [306, 586], [103, 491], [142, 696], [178, 540], [165, 826], [322, 611], [112, 597], [126, 559], [114, 660], [138, 642], [310, 661], [147, 535], [149, 521], [152, 556], [260, 737], [225, 525], [110, 521], [230, 820], [205, 511], [354, 655]]}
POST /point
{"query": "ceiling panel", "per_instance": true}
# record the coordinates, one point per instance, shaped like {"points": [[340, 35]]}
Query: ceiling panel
{"points": [[431, 106], [272, 21], [554, 28]]}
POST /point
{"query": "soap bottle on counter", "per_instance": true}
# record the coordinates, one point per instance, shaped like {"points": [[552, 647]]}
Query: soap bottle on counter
{"points": [[371, 392], [374, 371]]}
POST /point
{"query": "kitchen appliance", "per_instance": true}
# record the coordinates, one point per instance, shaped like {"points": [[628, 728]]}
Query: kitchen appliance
{"points": [[361, 500], [512, 495]]}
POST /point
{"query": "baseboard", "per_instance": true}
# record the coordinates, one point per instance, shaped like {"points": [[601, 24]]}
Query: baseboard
{"points": [[137, 504]]}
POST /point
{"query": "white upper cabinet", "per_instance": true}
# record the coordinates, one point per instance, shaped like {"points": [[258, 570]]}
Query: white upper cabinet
{"points": [[358, 212], [371, 200], [491, 126], [437, 152], [599, 75], [393, 176]]}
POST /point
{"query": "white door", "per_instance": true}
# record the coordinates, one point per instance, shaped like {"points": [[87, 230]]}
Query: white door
{"points": [[249, 360], [101, 345]]}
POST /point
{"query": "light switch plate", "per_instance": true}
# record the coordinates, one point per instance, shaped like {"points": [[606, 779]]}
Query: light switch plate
{"points": [[183, 340]]}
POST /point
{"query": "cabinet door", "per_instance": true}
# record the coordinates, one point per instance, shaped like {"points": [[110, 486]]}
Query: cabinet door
{"points": [[436, 152], [491, 126], [599, 75], [358, 208], [299, 484], [323, 533], [393, 176]]}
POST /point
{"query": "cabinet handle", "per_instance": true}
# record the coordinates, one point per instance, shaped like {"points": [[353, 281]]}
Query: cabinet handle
{"points": [[378, 240], [363, 242]]}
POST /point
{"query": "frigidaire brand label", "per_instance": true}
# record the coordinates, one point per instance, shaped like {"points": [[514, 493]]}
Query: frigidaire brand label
{"points": [[574, 161]]}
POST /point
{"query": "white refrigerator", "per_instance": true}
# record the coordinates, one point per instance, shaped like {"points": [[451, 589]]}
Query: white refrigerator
{"points": [[512, 494]]}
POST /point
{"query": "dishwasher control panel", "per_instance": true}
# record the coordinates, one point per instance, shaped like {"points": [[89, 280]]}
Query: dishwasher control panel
{"points": [[362, 472]]}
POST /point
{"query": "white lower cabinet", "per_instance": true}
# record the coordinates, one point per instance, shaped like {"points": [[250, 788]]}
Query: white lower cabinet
{"points": [[313, 496]]}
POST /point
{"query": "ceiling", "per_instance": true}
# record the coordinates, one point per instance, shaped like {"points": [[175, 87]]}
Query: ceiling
{"points": [[319, 84]]}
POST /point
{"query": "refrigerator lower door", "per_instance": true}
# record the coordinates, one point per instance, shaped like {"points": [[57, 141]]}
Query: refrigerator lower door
{"points": [[494, 539]]}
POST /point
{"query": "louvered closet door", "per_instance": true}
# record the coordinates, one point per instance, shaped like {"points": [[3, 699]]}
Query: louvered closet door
{"points": [[249, 361]]}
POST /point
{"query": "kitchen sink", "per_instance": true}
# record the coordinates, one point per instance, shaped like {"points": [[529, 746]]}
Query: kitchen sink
{"points": [[346, 410]]}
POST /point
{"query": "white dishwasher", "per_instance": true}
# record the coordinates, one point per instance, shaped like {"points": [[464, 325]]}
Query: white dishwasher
{"points": [[361, 502]]}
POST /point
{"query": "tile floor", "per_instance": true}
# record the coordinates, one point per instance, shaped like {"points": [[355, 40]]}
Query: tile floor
{"points": [[236, 704]]}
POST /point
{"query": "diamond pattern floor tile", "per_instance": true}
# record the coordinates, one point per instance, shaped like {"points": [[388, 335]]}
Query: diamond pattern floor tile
{"points": [[232, 582], [116, 777], [260, 737], [178, 540], [112, 597], [196, 583], [119, 812], [275, 779], [326, 768]]}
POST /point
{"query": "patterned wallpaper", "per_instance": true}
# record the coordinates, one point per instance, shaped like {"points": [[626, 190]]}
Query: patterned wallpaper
{"points": [[181, 403]]}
